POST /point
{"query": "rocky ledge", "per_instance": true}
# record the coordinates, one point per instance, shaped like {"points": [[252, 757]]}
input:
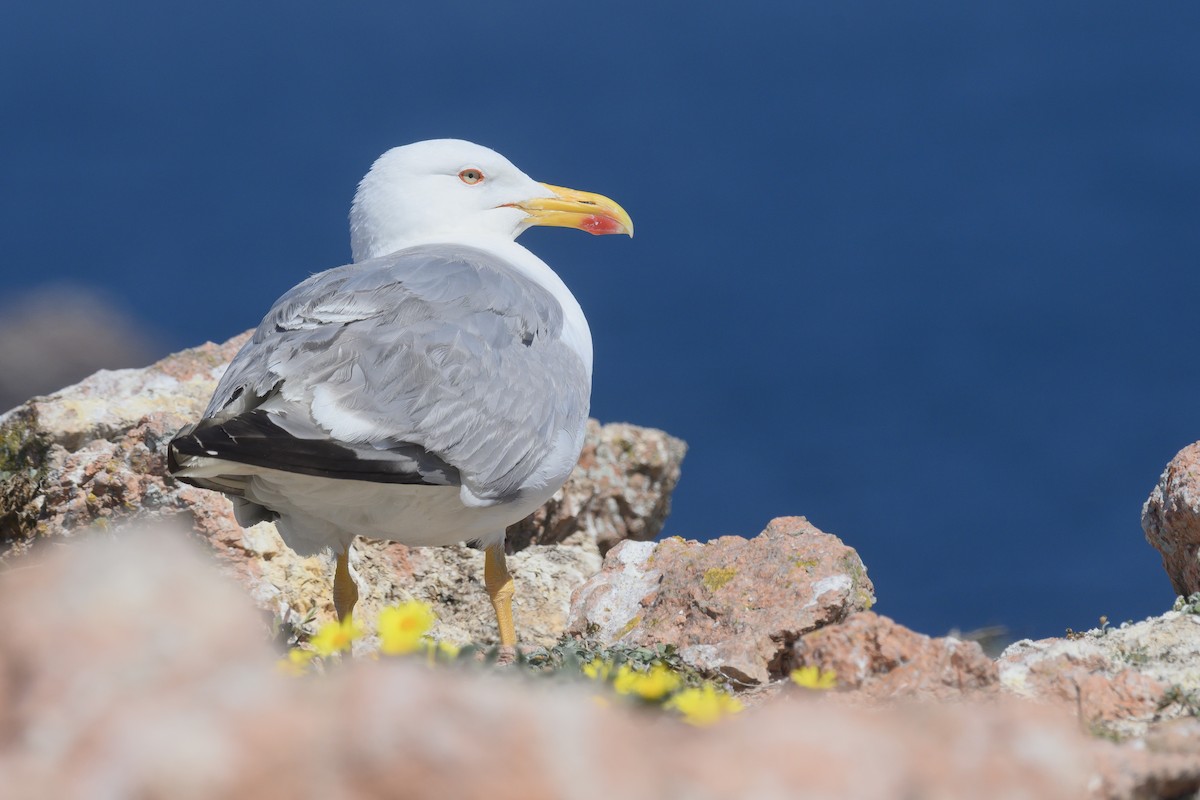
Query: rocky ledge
{"points": [[1107, 713], [92, 456]]}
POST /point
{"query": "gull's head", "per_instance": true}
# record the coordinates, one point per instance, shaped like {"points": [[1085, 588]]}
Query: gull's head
{"points": [[450, 190]]}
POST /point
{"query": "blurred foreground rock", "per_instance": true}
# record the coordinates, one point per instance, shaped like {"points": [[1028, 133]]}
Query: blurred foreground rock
{"points": [[93, 454], [1171, 520], [131, 669], [732, 606]]}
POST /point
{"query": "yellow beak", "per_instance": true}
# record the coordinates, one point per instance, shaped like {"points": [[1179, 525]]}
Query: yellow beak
{"points": [[569, 208]]}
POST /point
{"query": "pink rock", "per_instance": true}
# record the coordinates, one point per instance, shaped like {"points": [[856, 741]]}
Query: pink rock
{"points": [[882, 659], [1171, 520], [1105, 695], [621, 489], [732, 606], [1179, 736], [1128, 772]]}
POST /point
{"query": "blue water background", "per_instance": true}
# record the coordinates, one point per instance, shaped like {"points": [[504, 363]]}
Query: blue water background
{"points": [[923, 272]]}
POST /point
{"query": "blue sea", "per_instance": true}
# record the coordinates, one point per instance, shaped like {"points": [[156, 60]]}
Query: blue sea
{"points": [[925, 273]]}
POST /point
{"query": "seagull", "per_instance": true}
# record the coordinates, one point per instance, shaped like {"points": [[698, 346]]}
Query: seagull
{"points": [[434, 391]]}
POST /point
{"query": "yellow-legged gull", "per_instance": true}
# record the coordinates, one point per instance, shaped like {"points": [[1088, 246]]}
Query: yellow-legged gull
{"points": [[434, 391]]}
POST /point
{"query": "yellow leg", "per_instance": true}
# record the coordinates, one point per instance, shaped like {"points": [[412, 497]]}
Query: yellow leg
{"points": [[500, 588], [345, 591]]}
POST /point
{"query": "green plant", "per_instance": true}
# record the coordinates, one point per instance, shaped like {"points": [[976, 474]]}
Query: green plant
{"points": [[1187, 700], [1137, 655], [652, 676], [1187, 605]]}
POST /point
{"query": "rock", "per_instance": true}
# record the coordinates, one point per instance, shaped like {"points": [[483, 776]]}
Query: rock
{"points": [[732, 606], [1117, 701], [1179, 736], [130, 669], [93, 454], [1121, 679], [1132, 773], [874, 655], [451, 580], [116, 643], [620, 490], [1136, 684], [1171, 520]]}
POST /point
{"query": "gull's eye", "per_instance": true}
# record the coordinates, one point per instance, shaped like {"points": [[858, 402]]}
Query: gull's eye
{"points": [[470, 175]]}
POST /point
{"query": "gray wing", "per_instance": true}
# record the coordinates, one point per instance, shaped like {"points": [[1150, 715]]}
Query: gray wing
{"points": [[438, 364]]}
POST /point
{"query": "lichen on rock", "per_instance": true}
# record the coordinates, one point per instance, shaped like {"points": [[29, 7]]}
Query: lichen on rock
{"points": [[22, 459], [731, 605]]}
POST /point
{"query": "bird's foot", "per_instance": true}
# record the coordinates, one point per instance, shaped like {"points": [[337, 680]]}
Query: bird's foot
{"points": [[506, 655]]}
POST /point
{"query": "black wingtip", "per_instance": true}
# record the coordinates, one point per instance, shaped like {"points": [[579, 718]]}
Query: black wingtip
{"points": [[184, 444], [253, 438]]}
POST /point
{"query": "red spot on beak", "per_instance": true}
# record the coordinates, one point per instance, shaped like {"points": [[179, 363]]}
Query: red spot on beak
{"points": [[597, 225]]}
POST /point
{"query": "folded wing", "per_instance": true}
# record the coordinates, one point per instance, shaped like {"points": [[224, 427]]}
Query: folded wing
{"points": [[437, 365]]}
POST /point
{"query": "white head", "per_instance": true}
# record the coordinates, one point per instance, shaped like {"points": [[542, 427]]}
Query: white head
{"points": [[444, 189]]}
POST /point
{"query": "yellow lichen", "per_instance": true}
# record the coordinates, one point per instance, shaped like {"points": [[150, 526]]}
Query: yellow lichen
{"points": [[717, 577], [629, 626]]}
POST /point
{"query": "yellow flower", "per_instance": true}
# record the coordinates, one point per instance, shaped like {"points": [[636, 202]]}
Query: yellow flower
{"points": [[598, 669], [814, 678], [653, 685], [705, 705], [296, 663], [402, 627], [334, 637], [440, 651]]}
